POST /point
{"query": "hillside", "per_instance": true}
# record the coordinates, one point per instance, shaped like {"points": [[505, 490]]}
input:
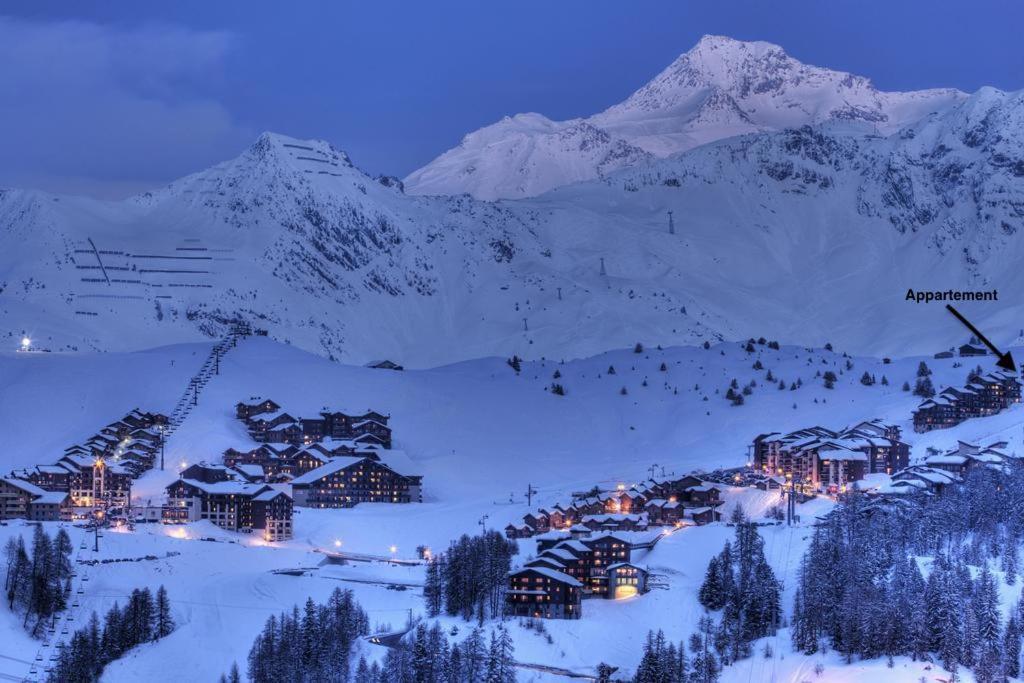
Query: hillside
{"points": [[809, 235], [480, 434]]}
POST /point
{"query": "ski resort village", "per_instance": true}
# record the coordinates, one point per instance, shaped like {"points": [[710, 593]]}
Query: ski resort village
{"points": [[700, 368], [478, 512]]}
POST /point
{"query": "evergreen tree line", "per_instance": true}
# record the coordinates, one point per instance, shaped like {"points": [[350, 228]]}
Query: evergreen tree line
{"points": [[429, 658], [666, 662], [740, 582], [469, 579], [92, 648], [311, 645], [862, 591], [38, 585]]}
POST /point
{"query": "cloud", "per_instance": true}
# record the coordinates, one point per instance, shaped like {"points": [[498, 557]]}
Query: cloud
{"points": [[107, 110]]}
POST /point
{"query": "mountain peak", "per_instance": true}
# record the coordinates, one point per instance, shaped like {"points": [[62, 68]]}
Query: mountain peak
{"points": [[269, 145], [720, 88]]}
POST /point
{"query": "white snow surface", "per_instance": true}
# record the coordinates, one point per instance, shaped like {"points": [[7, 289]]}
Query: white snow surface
{"points": [[808, 235], [478, 433]]}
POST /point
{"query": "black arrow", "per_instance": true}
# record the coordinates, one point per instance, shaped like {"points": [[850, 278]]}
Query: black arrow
{"points": [[1005, 359]]}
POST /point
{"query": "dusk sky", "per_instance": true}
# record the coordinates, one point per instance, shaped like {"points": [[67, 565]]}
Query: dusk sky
{"points": [[120, 96]]}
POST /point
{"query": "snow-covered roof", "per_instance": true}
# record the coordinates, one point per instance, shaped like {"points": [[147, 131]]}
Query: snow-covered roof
{"points": [[549, 560], [551, 574], [225, 487], [613, 517], [250, 469], [270, 494], [396, 461], [26, 486], [50, 498]]}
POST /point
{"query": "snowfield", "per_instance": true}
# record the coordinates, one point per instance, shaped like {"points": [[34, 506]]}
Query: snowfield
{"points": [[479, 434]]}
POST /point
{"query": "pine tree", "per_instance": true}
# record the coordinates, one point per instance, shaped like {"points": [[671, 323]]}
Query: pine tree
{"points": [[924, 388], [164, 620], [433, 589], [1011, 647]]}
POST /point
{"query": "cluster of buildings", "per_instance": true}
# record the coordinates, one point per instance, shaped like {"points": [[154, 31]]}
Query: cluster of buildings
{"points": [[92, 477], [940, 470], [984, 395], [226, 498], [664, 502], [267, 422], [570, 566], [817, 458], [336, 461], [965, 351]]}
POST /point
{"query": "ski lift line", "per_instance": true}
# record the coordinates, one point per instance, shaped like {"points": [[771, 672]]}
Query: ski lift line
{"points": [[15, 659], [99, 260]]}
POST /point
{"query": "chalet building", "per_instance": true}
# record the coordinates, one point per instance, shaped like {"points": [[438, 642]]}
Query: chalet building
{"points": [[101, 484], [985, 395], [259, 406], [207, 473], [919, 479], [598, 562], [541, 592], [966, 457], [347, 481], [47, 477], [943, 354], [615, 521], [384, 365], [703, 515], [661, 511], [267, 422], [968, 350], [522, 531], [232, 505], [20, 499], [250, 473], [625, 580], [819, 458]]}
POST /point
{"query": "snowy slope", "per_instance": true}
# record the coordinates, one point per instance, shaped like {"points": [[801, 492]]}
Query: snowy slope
{"points": [[807, 235], [720, 88], [478, 433]]}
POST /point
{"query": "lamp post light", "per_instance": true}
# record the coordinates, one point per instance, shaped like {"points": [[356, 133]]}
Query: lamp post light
{"points": [[26, 344]]}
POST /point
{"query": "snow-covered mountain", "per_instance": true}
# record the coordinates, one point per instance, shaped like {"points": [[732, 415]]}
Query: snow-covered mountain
{"points": [[293, 238], [807, 235], [720, 88]]}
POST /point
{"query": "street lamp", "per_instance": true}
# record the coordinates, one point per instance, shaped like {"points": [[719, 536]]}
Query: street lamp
{"points": [[26, 343]]}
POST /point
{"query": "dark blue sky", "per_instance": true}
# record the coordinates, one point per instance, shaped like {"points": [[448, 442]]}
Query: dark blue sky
{"points": [[112, 97]]}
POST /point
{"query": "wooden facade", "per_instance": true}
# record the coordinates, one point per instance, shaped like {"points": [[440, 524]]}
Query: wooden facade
{"points": [[817, 458], [544, 593], [231, 505], [347, 481], [268, 423], [985, 395]]}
